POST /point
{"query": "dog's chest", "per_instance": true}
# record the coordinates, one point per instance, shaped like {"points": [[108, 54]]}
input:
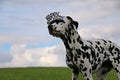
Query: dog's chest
{"points": [[72, 62], [77, 59], [74, 59]]}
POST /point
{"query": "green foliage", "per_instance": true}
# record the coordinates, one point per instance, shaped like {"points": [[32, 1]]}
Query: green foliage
{"points": [[43, 73]]}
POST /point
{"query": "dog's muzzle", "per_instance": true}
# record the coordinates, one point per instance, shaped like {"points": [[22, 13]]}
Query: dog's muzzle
{"points": [[53, 31], [50, 28]]}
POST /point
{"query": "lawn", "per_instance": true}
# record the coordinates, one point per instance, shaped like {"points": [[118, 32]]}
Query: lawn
{"points": [[43, 73]]}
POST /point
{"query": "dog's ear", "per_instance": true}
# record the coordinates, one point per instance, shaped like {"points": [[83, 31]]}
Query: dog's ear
{"points": [[76, 24], [71, 21]]}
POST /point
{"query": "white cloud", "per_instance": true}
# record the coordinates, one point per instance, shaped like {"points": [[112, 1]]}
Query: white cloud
{"points": [[23, 57], [49, 59]]}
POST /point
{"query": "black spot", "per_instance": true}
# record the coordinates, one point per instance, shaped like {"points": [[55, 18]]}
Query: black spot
{"points": [[79, 51], [91, 62], [81, 66], [81, 61], [116, 70], [73, 33], [117, 59], [99, 60], [75, 71], [84, 69], [69, 39], [85, 74], [102, 49], [95, 58], [109, 41], [104, 41], [67, 58], [111, 49], [67, 45], [79, 40], [90, 42], [93, 52], [74, 79], [73, 41], [90, 70], [97, 55], [97, 42], [116, 49], [75, 58], [86, 55], [97, 48], [85, 47], [87, 79]]}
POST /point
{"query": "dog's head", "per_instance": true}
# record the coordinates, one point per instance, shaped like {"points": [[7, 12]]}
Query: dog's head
{"points": [[58, 25]]}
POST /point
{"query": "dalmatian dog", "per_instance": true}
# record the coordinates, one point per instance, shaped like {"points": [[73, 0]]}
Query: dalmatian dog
{"points": [[85, 56]]}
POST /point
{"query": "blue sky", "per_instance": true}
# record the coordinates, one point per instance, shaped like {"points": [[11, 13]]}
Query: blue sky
{"points": [[24, 38]]}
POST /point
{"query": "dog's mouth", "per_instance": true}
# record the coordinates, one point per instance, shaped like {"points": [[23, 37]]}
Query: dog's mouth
{"points": [[55, 33]]}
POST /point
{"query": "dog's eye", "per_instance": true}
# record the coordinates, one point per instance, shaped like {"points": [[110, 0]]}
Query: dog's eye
{"points": [[61, 23]]}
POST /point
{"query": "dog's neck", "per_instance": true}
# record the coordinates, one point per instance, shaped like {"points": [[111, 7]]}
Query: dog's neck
{"points": [[72, 39]]}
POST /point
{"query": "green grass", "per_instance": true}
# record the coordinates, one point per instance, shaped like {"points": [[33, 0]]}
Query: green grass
{"points": [[43, 73]]}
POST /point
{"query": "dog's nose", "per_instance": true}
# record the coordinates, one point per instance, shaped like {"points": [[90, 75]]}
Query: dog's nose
{"points": [[50, 27]]}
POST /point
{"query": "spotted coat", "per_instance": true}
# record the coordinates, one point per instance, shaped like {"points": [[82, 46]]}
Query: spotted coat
{"points": [[86, 56]]}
